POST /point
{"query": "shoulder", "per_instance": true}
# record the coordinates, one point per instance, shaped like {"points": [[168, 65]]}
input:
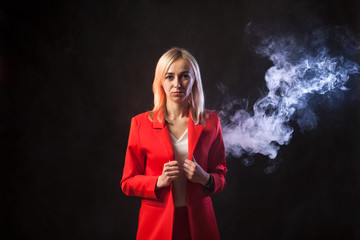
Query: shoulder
{"points": [[211, 118], [141, 119], [142, 116]]}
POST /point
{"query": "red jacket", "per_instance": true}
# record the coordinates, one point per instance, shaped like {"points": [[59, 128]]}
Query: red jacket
{"points": [[149, 148]]}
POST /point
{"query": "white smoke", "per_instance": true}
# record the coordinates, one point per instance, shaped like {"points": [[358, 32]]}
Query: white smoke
{"points": [[302, 67]]}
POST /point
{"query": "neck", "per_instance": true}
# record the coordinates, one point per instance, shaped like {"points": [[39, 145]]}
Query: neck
{"points": [[176, 110]]}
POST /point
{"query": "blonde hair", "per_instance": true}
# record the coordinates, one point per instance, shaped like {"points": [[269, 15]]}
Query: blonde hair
{"points": [[196, 98]]}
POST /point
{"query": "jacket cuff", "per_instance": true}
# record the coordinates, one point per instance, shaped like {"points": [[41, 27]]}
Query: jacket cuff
{"points": [[218, 184], [210, 184], [152, 193]]}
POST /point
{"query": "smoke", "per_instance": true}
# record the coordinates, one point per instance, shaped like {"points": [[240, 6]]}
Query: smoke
{"points": [[307, 64]]}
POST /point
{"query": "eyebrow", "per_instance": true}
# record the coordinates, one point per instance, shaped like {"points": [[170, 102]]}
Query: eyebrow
{"points": [[174, 73]]}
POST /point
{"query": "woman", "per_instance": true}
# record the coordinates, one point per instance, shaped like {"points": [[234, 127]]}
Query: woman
{"points": [[175, 156]]}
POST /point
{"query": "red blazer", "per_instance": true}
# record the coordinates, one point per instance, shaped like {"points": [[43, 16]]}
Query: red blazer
{"points": [[149, 148]]}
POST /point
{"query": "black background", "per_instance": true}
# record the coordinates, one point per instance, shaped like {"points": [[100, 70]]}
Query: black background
{"points": [[74, 73]]}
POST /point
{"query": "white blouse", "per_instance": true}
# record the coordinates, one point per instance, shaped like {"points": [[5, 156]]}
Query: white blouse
{"points": [[180, 147]]}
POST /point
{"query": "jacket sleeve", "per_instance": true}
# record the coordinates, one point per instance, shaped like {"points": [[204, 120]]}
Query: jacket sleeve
{"points": [[216, 163], [134, 182]]}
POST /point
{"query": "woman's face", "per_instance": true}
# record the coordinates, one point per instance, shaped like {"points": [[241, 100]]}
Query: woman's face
{"points": [[179, 80]]}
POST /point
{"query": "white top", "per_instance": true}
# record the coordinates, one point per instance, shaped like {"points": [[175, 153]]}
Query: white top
{"points": [[180, 147]]}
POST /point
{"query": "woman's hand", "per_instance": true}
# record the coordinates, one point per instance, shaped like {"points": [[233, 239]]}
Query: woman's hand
{"points": [[195, 173], [170, 173]]}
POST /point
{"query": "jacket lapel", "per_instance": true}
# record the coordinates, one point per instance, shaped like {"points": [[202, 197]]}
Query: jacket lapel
{"points": [[194, 132], [162, 132]]}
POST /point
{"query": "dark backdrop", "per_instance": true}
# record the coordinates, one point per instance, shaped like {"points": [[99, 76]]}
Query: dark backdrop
{"points": [[73, 73]]}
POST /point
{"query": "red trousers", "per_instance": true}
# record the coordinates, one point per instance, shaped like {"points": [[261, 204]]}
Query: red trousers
{"points": [[181, 230]]}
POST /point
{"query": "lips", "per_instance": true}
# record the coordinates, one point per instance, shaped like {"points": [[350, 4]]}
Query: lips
{"points": [[177, 93]]}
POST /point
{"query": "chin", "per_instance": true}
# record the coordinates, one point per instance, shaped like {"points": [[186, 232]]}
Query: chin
{"points": [[178, 100]]}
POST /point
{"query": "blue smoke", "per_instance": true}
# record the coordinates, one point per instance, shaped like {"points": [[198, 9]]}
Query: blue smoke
{"points": [[317, 63]]}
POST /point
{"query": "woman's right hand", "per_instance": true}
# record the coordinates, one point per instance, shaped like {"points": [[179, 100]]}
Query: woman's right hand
{"points": [[170, 173]]}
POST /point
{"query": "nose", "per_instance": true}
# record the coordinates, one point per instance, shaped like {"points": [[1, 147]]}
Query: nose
{"points": [[177, 83]]}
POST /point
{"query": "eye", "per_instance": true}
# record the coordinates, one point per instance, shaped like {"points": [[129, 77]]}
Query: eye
{"points": [[169, 77], [186, 76]]}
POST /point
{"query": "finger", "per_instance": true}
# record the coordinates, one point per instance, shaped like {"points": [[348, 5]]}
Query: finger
{"points": [[190, 167], [188, 161], [170, 174], [189, 175], [186, 167], [171, 168], [189, 171], [173, 178], [172, 163], [173, 172]]}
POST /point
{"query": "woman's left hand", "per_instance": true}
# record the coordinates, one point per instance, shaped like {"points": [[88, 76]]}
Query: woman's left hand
{"points": [[195, 173]]}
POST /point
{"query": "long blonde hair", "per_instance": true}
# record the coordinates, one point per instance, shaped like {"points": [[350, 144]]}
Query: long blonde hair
{"points": [[196, 98]]}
